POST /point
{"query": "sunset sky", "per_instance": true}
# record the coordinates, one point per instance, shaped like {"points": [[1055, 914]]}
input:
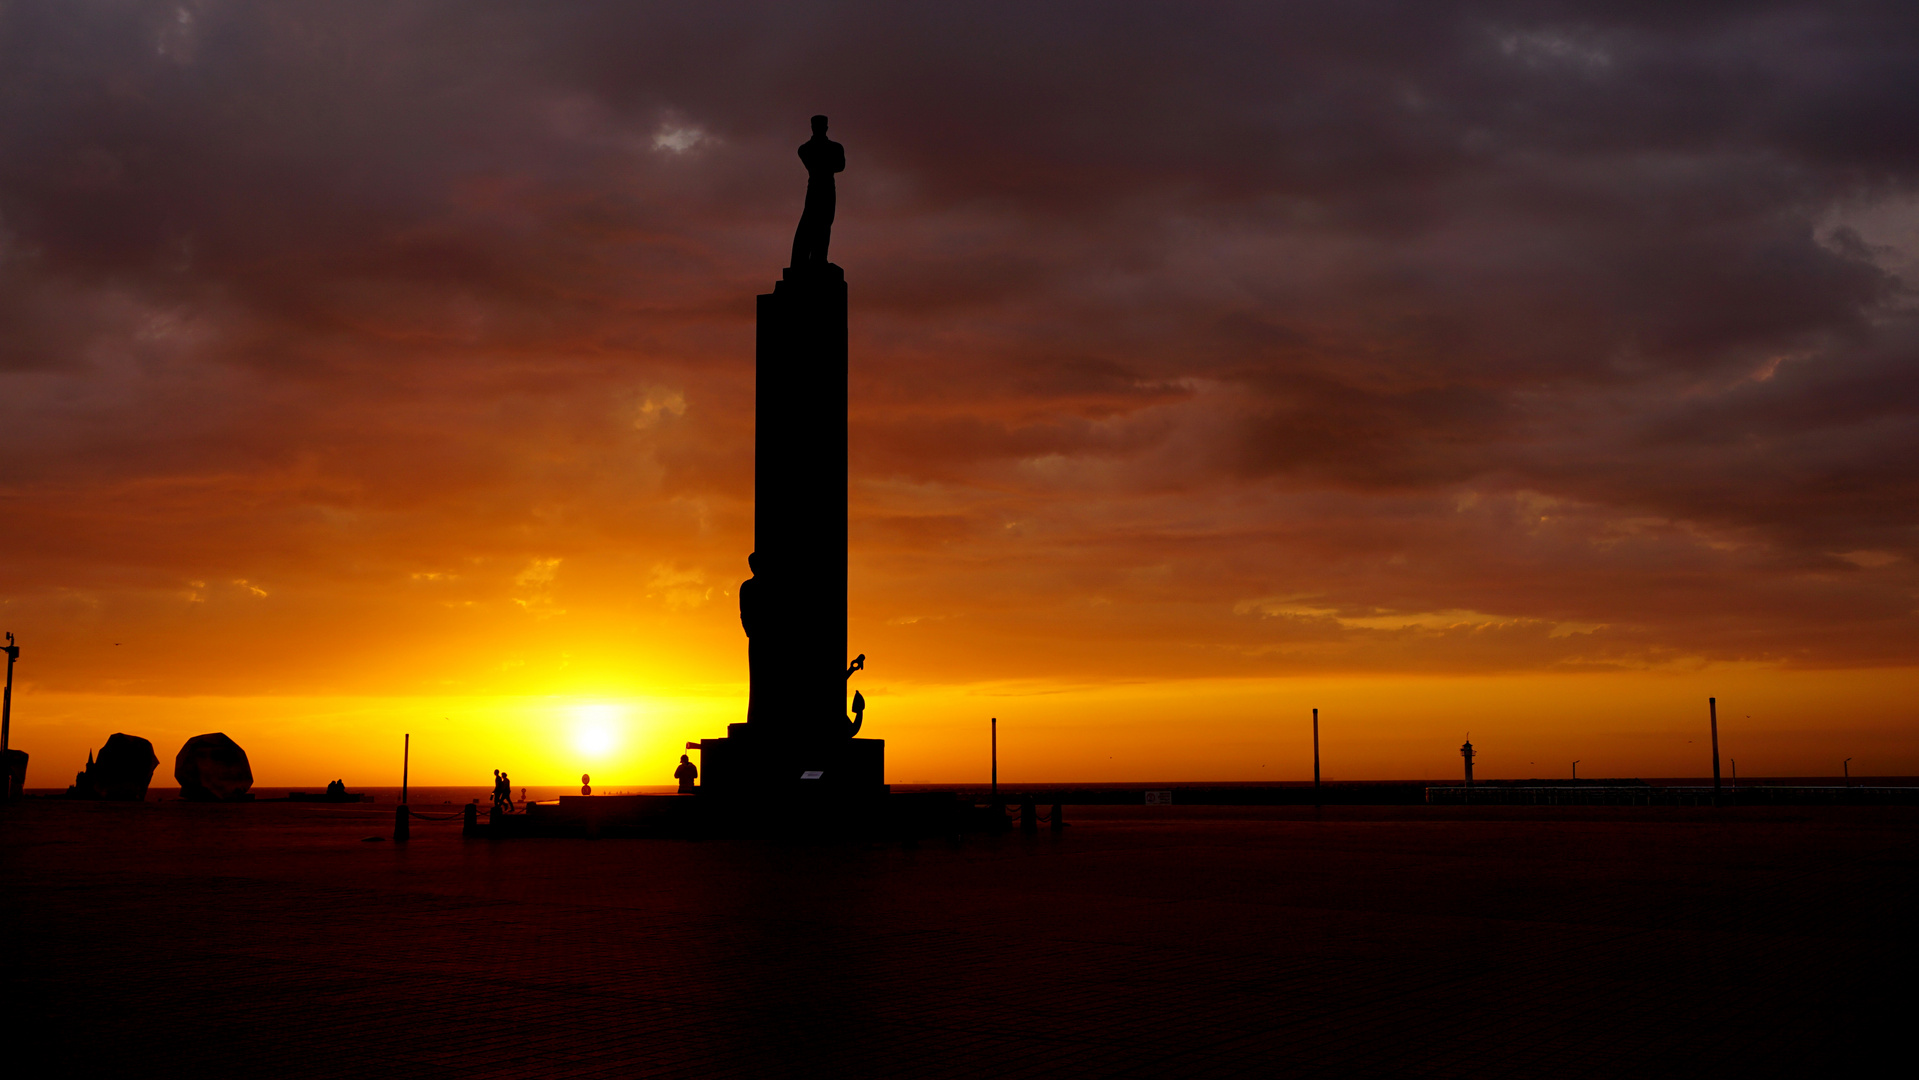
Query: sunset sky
{"points": [[1528, 370]]}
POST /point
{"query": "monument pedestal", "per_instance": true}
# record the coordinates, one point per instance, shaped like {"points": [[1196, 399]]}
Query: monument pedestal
{"points": [[746, 765]]}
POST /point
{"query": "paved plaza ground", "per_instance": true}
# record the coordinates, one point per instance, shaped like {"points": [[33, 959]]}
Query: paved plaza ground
{"points": [[272, 941]]}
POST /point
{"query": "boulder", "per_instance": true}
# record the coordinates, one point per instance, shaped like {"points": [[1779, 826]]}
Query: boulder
{"points": [[212, 768], [16, 768], [121, 772]]}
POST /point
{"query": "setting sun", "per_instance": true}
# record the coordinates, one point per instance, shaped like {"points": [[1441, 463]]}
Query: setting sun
{"points": [[597, 728]]}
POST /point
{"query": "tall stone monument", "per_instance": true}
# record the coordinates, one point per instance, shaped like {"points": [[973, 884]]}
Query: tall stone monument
{"points": [[797, 736]]}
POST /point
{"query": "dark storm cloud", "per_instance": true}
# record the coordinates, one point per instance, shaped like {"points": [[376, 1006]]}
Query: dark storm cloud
{"points": [[1159, 274]]}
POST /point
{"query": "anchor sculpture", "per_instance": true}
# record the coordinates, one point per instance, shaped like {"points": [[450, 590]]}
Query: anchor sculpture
{"points": [[859, 700]]}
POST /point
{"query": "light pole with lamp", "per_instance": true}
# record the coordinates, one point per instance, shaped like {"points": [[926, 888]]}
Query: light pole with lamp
{"points": [[6, 721]]}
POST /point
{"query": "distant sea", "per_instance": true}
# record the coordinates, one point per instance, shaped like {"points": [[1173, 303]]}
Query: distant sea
{"points": [[416, 796], [427, 796]]}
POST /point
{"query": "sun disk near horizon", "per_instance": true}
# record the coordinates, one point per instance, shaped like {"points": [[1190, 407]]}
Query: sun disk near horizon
{"points": [[598, 728]]}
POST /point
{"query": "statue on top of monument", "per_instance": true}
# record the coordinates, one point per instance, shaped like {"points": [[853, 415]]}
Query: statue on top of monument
{"points": [[822, 157]]}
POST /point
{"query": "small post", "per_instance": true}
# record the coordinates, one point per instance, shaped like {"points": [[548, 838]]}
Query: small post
{"points": [[1712, 709], [1028, 816], [401, 825], [6, 721], [1846, 767], [469, 818], [1058, 821], [406, 761], [1735, 778], [1575, 770], [1315, 755]]}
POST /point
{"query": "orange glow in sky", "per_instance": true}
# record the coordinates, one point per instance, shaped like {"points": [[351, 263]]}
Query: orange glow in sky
{"points": [[1203, 372]]}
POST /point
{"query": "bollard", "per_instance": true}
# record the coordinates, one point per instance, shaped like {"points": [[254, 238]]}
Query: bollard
{"points": [[470, 818], [1028, 816], [1059, 817], [401, 824]]}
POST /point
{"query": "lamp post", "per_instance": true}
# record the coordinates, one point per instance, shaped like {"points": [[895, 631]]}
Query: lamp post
{"points": [[1846, 767], [1712, 710], [1575, 770], [6, 721], [995, 745], [1315, 755]]}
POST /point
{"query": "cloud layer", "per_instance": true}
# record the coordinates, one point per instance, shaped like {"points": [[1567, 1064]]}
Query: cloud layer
{"points": [[1221, 339]]}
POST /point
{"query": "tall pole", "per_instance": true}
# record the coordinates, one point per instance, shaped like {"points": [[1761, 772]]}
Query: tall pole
{"points": [[995, 761], [1315, 752], [406, 760], [1712, 709], [6, 721]]}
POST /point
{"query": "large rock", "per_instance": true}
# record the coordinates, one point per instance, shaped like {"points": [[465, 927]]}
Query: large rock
{"points": [[121, 772], [212, 768], [16, 768]]}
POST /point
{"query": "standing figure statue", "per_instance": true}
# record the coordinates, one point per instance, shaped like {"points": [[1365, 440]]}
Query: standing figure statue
{"points": [[822, 157], [755, 621]]}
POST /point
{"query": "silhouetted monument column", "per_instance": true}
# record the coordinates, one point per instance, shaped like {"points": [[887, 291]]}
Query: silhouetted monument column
{"points": [[799, 506], [793, 608]]}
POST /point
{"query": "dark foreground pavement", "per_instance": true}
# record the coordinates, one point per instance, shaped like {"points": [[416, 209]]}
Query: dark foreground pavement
{"points": [[270, 941]]}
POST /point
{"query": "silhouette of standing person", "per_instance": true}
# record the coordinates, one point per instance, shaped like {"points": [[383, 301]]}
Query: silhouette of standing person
{"points": [[686, 774], [822, 157]]}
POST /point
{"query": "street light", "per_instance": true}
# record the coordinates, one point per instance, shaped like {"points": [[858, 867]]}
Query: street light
{"points": [[6, 723]]}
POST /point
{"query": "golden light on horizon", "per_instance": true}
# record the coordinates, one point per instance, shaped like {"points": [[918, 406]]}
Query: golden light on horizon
{"points": [[597, 729]]}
